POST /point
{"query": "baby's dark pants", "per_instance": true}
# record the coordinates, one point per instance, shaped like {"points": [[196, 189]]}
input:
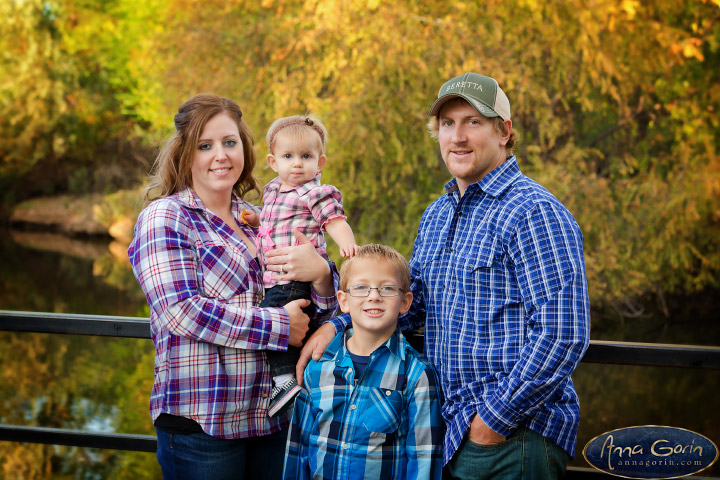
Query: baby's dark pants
{"points": [[278, 296]]}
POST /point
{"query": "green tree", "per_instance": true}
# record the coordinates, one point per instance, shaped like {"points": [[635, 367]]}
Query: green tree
{"points": [[621, 123]]}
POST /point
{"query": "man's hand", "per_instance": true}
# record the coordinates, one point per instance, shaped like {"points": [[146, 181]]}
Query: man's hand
{"points": [[314, 347], [482, 434]]}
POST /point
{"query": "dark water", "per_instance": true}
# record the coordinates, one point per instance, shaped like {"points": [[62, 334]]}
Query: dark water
{"points": [[102, 384]]}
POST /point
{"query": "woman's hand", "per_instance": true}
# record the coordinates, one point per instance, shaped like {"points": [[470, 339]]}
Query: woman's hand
{"points": [[302, 263], [298, 321], [314, 347]]}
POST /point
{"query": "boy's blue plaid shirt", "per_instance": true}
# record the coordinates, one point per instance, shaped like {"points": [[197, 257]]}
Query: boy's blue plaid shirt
{"points": [[387, 426], [499, 283]]}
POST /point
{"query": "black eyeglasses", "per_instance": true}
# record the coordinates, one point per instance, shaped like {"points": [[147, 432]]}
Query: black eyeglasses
{"points": [[384, 291]]}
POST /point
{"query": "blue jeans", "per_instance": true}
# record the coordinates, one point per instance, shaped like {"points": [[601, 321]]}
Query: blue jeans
{"points": [[524, 455], [198, 456], [279, 296]]}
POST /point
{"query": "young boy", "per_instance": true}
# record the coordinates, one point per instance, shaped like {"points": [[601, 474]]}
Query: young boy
{"points": [[370, 407]]}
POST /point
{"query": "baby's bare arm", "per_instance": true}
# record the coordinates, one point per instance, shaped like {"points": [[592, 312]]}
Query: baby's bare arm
{"points": [[341, 232]]}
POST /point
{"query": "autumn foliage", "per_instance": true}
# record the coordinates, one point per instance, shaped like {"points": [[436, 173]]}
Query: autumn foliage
{"points": [[616, 104]]}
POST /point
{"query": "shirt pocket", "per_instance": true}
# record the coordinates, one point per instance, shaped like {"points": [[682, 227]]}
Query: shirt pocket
{"points": [[486, 251], [433, 268], [223, 273], [384, 411], [482, 271]]}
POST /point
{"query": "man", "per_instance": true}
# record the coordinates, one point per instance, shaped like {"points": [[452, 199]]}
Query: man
{"points": [[499, 283]]}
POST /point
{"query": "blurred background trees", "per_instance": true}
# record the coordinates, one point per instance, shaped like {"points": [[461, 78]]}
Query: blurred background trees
{"points": [[616, 104]]}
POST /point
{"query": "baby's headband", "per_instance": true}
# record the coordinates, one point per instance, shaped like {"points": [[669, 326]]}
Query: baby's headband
{"points": [[295, 121]]}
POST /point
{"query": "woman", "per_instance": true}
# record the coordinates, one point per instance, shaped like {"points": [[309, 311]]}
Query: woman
{"points": [[195, 260]]}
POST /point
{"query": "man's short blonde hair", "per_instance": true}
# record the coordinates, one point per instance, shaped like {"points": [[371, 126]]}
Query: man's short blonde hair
{"points": [[375, 251]]}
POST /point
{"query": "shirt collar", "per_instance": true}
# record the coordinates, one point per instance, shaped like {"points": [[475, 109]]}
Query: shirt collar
{"points": [[337, 350], [190, 199], [300, 189], [494, 183]]}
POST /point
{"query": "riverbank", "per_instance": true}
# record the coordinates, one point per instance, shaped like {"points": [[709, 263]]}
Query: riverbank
{"points": [[111, 216]]}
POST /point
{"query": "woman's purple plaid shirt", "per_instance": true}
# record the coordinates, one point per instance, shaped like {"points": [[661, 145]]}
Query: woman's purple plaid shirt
{"points": [[202, 286]]}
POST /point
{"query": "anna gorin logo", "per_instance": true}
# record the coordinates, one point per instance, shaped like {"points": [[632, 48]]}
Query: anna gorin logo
{"points": [[650, 451]]}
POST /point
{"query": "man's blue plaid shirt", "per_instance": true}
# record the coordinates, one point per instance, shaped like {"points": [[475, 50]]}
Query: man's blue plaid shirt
{"points": [[499, 283], [384, 425]]}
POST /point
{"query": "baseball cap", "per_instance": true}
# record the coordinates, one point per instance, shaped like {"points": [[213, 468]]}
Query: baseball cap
{"points": [[482, 92]]}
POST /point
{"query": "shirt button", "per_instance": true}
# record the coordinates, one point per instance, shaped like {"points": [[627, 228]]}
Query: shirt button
{"points": [[353, 407], [345, 446], [388, 393], [265, 395]]}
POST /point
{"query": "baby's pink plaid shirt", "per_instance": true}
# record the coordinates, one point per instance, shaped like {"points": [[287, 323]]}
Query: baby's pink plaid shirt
{"points": [[307, 207]]}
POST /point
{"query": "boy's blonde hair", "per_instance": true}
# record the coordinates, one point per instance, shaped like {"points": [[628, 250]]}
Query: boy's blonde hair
{"points": [[299, 127], [375, 251]]}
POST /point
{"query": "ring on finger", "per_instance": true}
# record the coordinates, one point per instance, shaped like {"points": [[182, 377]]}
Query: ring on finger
{"points": [[281, 270]]}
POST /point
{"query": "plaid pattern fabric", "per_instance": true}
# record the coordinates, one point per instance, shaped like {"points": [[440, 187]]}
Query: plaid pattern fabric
{"points": [[499, 283], [202, 285], [388, 426], [307, 207]]}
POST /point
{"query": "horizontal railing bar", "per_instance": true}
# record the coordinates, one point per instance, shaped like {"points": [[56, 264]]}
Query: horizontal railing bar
{"points": [[74, 324], [640, 354], [78, 438], [599, 351], [148, 443], [652, 354]]}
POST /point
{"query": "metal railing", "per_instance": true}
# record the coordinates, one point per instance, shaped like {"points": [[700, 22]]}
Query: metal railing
{"points": [[603, 352]]}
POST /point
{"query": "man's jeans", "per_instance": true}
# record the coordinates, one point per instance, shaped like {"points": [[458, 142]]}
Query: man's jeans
{"points": [[524, 455], [198, 456]]}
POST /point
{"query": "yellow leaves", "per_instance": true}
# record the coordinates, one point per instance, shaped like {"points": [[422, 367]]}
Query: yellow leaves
{"points": [[531, 4], [689, 48], [630, 7], [461, 6]]}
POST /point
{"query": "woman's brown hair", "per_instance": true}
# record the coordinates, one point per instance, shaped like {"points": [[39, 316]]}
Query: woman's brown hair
{"points": [[172, 169]]}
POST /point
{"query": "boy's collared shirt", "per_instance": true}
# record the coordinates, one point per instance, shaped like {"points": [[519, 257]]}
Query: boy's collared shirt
{"points": [[386, 424], [307, 207]]}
